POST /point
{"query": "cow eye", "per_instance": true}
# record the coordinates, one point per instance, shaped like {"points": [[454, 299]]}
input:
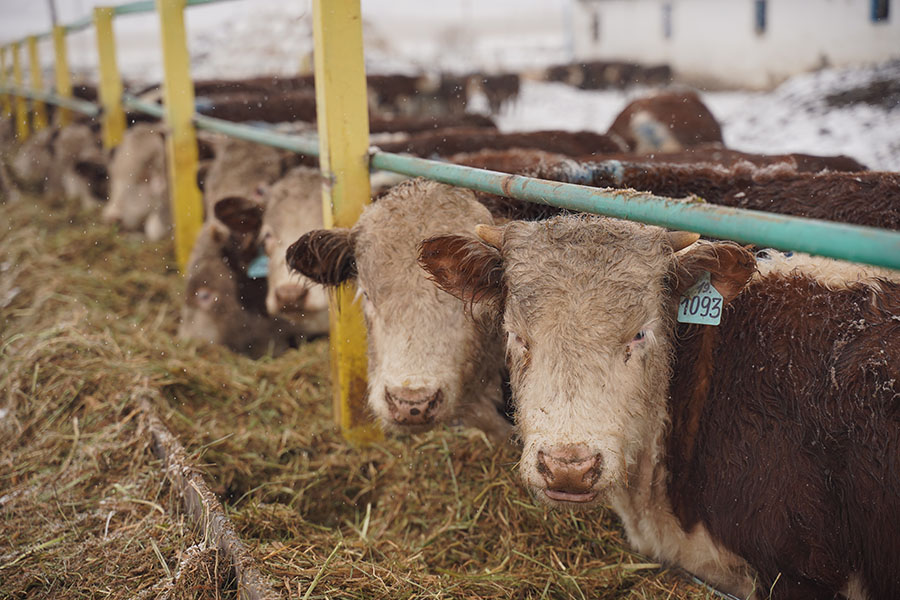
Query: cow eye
{"points": [[640, 335], [205, 297]]}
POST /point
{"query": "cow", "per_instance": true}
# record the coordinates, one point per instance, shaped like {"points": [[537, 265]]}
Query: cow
{"points": [[223, 304], [138, 187], [291, 207], [863, 198], [760, 454], [138, 179], [428, 364], [465, 139], [76, 145], [668, 121], [30, 166]]}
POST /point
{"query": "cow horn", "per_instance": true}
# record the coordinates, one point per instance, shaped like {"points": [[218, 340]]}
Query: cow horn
{"points": [[680, 240], [490, 235]]}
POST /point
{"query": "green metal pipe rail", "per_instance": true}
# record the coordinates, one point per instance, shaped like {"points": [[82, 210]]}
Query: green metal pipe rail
{"points": [[855, 243], [76, 104]]}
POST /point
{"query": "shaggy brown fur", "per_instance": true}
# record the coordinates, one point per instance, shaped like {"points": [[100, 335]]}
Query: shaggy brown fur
{"points": [[867, 198], [683, 114], [449, 142], [789, 429]]}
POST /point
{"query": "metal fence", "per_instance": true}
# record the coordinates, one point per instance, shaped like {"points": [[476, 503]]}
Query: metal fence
{"points": [[345, 158]]}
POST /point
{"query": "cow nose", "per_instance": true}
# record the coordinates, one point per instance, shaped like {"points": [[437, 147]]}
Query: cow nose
{"points": [[570, 472], [290, 296], [413, 406]]}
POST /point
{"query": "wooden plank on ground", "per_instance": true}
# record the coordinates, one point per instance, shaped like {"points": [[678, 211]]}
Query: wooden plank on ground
{"points": [[200, 503]]}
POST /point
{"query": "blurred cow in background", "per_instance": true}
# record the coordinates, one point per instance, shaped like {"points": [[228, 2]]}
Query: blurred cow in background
{"points": [[667, 121], [289, 208]]}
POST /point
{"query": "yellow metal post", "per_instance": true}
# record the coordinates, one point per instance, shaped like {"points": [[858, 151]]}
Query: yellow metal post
{"points": [[4, 81], [181, 139], [63, 79], [38, 110], [113, 118], [343, 123], [22, 131]]}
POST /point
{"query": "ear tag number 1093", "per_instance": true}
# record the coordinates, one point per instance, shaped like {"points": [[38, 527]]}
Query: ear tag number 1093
{"points": [[701, 303]]}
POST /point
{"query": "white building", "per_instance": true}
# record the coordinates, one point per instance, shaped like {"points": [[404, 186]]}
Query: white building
{"points": [[744, 43]]}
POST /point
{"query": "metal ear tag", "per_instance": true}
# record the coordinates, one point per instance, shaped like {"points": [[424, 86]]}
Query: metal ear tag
{"points": [[701, 303], [259, 267]]}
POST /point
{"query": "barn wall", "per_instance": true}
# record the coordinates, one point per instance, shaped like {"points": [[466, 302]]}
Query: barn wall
{"points": [[717, 39]]}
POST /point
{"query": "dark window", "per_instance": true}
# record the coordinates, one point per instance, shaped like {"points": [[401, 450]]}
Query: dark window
{"points": [[667, 20], [880, 10], [595, 26], [759, 8]]}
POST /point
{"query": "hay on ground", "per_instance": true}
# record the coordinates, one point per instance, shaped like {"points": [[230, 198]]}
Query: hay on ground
{"points": [[88, 313]]}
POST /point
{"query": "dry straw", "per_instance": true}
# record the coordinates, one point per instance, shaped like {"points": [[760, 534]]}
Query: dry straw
{"points": [[87, 314]]}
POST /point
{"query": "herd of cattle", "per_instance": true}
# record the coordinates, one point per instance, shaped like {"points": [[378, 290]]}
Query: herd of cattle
{"points": [[761, 453]]}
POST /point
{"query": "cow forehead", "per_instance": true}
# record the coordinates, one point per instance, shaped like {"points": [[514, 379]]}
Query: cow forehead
{"points": [[390, 231], [294, 203], [587, 268]]}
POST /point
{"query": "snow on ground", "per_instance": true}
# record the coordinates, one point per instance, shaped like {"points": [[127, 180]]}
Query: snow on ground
{"points": [[795, 117]]}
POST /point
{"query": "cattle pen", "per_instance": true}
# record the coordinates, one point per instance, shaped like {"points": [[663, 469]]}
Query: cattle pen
{"points": [[346, 159]]}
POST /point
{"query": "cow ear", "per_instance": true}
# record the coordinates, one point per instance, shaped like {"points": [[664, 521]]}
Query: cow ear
{"points": [[96, 174], [464, 267], [239, 214], [324, 255], [729, 265]]}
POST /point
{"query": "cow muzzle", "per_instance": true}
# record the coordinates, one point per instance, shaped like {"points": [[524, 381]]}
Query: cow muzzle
{"points": [[413, 406], [571, 473]]}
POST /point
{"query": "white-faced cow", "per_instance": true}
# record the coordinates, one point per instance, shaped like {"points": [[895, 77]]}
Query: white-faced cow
{"points": [[761, 454], [223, 305], [291, 207], [138, 188], [428, 363]]}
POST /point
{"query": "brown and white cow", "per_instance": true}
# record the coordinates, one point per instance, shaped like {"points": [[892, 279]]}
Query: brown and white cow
{"points": [[138, 188], [223, 305], [291, 207], [761, 454], [428, 363], [668, 121]]}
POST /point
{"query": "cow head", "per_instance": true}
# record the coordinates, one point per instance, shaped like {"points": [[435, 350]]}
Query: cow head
{"points": [[428, 363], [286, 210], [588, 307], [138, 188], [222, 304]]}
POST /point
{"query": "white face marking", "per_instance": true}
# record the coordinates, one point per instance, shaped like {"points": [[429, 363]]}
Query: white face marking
{"points": [[293, 208], [587, 344]]}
